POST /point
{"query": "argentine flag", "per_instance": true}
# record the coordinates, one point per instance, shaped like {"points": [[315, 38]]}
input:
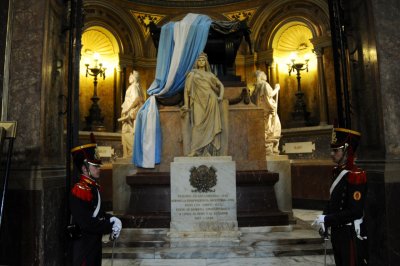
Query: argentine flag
{"points": [[180, 45]]}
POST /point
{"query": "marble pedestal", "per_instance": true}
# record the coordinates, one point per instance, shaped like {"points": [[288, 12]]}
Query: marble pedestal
{"points": [[150, 201], [246, 132], [203, 202], [283, 188], [121, 168]]}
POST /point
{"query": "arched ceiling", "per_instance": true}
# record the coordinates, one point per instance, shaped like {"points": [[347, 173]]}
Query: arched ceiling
{"points": [[98, 40], [292, 40], [293, 37]]}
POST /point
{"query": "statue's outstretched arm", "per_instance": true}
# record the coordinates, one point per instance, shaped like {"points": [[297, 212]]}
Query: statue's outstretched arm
{"points": [[272, 92]]}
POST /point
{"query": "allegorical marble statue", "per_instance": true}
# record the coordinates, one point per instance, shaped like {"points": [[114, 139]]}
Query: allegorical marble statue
{"points": [[264, 96], [133, 101], [203, 94]]}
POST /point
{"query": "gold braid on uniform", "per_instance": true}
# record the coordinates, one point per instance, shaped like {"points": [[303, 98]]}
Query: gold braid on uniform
{"points": [[357, 177], [82, 191]]}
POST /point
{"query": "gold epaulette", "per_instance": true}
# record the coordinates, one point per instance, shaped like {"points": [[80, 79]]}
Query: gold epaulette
{"points": [[357, 177], [82, 191]]}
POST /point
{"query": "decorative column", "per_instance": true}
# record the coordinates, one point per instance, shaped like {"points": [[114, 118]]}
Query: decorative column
{"points": [[271, 73], [264, 58], [323, 114], [319, 44]]}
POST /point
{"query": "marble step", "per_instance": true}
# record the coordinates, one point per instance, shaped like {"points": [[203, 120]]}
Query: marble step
{"points": [[215, 252], [265, 235], [311, 260], [254, 243]]}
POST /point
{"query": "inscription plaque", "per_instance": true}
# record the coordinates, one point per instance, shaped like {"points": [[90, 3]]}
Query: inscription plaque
{"points": [[203, 198]]}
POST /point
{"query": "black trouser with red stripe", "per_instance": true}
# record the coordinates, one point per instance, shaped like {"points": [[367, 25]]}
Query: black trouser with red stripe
{"points": [[344, 245]]}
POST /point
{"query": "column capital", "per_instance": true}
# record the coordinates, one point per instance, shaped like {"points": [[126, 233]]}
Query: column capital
{"points": [[318, 51], [135, 61], [321, 42]]}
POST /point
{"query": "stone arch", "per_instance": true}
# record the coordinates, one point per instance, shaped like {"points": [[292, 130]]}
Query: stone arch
{"points": [[100, 49], [118, 21], [97, 39], [293, 22], [273, 39], [270, 19]]}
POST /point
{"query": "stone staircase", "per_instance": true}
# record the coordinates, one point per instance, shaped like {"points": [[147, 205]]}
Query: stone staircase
{"points": [[151, 247]]}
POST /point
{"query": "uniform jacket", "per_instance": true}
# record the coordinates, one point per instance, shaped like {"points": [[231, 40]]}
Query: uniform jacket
{"points": [[84, 199], [346, 202]]}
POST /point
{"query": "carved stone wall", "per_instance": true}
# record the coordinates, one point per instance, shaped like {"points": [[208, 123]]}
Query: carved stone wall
{"points": [[33, 222], [374, 42], [37, 81]]}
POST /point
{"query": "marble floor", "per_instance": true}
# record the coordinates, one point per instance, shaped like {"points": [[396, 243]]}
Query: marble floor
{"points": [[298, 244]]}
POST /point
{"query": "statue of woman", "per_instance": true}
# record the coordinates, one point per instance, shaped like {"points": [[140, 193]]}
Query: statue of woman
{"points": [[130, 107], [264, 95], [202, 95]]}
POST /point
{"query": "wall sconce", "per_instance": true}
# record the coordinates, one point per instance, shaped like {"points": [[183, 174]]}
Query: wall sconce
{"points": [[94, 121], [300, 114]]}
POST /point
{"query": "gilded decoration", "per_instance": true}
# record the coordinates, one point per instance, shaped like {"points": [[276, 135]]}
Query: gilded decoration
{"points": [[295, 38], [203, 178], [241, 15], [334, 139], [96, 41], [144, 20]]}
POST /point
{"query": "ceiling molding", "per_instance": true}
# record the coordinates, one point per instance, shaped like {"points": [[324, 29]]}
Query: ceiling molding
{"points": [[241, 14], [144, 19], [181, 3]]}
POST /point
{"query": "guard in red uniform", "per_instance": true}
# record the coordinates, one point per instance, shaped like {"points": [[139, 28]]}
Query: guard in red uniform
{"points": [[86, 209], [344, 213]]}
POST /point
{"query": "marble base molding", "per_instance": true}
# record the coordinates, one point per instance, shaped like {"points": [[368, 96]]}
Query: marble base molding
{"points": [[150, 199]]}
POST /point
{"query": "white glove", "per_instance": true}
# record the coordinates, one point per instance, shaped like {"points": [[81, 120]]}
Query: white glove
{"points": [[357, 224], [116, 228], [357, 227], [277, 87], [320, 222]]}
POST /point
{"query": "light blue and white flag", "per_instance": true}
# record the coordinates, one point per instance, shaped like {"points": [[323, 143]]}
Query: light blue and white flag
{"points": [[180, 45]]}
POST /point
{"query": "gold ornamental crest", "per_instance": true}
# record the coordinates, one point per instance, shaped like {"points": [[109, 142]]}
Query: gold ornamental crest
{"points": [[334, 138], [203, 178], [96, 153]]}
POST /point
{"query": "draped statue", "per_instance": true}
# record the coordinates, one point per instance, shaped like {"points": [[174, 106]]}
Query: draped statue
{"points": [[133, 101], [267, 97], [203, 94]]}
